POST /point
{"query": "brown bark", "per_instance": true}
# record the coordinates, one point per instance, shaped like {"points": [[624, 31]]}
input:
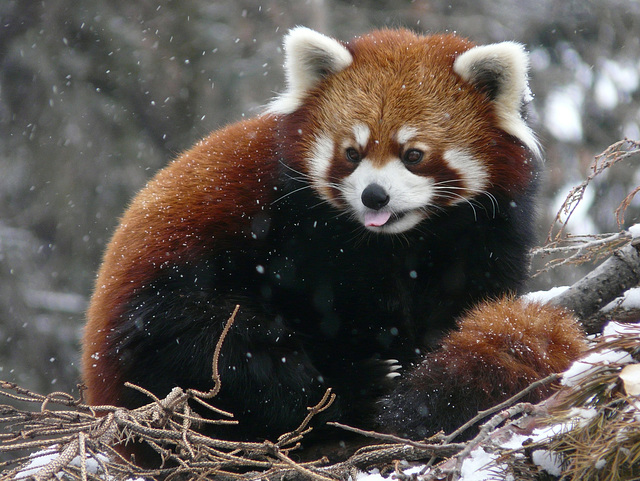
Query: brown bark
{"points": [[609, 280]]}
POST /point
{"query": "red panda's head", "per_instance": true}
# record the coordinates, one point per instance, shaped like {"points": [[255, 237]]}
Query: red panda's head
{"points": [[393, 125]]}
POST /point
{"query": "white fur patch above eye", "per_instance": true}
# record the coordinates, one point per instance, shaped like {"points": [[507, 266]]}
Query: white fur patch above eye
{"points": [[472, 172], [405, 134], [502, 70], [361, 133], [309, 57]]}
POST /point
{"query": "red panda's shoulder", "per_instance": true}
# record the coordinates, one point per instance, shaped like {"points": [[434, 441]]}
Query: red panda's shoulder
{"points": [[203, 201], [217, 185]]}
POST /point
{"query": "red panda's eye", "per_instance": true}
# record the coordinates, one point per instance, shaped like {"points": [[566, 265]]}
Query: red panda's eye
{"points": [[353, 155], [412, 156]]}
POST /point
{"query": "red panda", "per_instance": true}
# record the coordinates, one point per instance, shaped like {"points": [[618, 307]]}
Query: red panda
{"points": [[390, 188]]}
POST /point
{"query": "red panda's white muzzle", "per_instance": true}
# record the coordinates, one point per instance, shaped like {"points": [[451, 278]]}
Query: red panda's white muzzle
{"points": [[387, 199]]}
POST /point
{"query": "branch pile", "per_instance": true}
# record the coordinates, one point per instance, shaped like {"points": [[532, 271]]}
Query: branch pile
{"points": [[589, 429]]}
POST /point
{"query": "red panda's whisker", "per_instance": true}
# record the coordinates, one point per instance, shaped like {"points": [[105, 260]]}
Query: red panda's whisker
{"points": [[303, 175], [282, 197]]}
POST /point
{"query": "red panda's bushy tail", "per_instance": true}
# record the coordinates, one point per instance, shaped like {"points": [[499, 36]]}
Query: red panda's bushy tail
{"points": [[500, 348]]}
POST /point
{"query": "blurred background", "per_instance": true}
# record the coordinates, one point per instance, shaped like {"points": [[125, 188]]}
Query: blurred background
{"points": [[96, 96]]}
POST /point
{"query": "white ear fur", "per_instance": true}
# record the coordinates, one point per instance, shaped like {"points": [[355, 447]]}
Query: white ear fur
{"points": [[309, 57], [501, 71]]}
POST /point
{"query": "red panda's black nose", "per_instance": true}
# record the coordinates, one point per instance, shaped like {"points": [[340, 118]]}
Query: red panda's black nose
{"points": [[375, 197]]}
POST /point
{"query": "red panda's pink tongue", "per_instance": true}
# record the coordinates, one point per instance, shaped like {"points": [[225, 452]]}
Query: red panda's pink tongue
{"points": [[376, 219]]}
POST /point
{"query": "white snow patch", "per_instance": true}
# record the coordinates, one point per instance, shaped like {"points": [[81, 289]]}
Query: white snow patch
{"points": [[625, 77], [579, 370], [582, 414], [514, 442], [545, 296], [93, 466], [618, 329], [606, 93], [481, 466], [634, 230], [549, 461], [42, 458], [39, 459], [548, 432], [600, 463], [374, 474]]}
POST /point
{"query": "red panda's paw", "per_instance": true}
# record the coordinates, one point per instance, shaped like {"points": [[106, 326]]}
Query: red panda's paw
{"points": [[500, 348]]}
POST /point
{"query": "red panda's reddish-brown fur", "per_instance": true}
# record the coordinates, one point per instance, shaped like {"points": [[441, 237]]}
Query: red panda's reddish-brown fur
{"points": [[341, 251], [533, 339], [498, 349], [183, 209]]}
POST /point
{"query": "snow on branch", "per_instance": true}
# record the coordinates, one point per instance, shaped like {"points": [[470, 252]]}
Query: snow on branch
{"points": [[578, 249], [601, 286]]}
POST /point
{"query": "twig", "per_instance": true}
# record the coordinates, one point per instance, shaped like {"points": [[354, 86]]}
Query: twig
{"points": [[622, 208], [486, 430], [82, 451], [580, 249], [613, 154], [483, 414], [388, 437], [325, 402], [63, 459], [275, 450], [217, 384]]}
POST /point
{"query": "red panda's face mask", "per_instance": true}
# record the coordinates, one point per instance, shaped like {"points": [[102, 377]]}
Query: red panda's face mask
{"points": [[389, 196], [396, 127]]}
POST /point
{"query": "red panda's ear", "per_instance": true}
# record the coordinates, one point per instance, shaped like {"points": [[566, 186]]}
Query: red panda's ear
{"points": [[500, 70], [309, 57]]}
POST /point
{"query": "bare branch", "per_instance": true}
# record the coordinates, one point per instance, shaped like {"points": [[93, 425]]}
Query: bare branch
{"points": [[326, 401], [216, 356], [623, 206], [503, 405], [580, 249], [612, 155]]}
